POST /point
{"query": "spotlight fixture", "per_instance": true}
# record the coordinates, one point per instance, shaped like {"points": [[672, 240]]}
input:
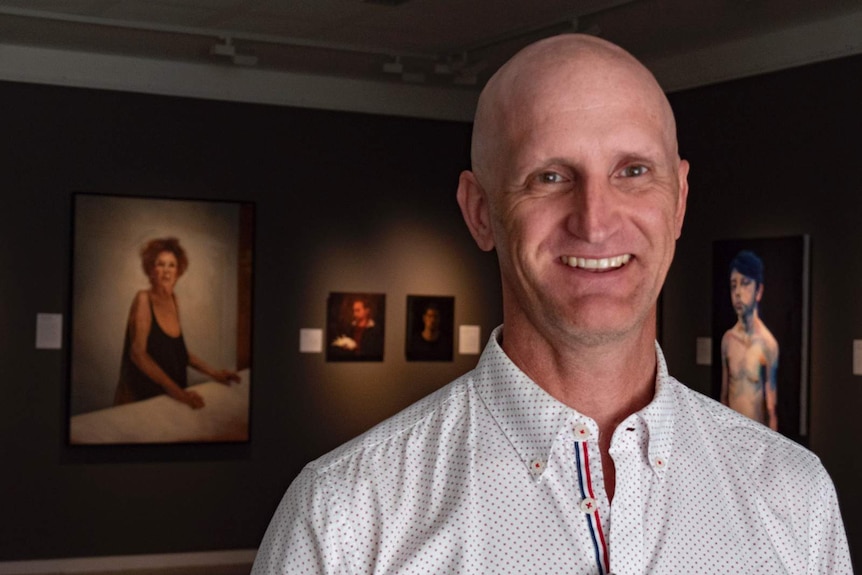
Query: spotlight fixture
{"points": [[465, 72], [227, 50], [394, 67]]}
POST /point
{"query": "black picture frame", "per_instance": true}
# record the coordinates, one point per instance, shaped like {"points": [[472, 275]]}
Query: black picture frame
{"points": [[784, 307], [213, 301], [430, 328], [346, 338]]}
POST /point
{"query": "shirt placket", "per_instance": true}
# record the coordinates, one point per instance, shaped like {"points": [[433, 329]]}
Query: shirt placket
{"points": [[590, 490], [629, 453]]}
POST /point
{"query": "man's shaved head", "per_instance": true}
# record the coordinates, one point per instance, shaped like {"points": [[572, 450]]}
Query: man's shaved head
{"points": [[571, 66]]}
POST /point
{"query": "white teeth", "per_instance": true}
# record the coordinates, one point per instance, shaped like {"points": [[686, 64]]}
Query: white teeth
{"points": [[596, 264]]}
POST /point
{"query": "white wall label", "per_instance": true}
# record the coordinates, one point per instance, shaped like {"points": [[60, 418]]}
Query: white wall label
{"points": [[49, 331], [469, 337], [310, 340], [857, 357], [704, 351]]}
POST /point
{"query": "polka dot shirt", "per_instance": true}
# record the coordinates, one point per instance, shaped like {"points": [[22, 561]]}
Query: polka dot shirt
{"points": [[491, 475]]}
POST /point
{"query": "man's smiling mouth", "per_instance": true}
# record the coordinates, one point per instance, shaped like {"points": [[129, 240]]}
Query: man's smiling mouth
{"points": [[596, 264]]}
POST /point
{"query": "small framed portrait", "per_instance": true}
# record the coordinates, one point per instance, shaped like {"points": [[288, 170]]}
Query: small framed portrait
{"points": [[355, 326], [760, 330], [430, 326], [161, 321]]}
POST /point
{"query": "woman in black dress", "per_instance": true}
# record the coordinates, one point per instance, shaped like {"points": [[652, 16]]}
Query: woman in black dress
{"points": [[155, 354]]}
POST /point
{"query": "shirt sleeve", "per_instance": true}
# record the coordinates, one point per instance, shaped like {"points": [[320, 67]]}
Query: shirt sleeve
{"points": [[827, 543], [304, 536]]}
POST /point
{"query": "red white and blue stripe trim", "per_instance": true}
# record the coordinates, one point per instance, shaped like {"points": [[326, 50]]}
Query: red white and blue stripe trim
{"points": [[594, 523]]}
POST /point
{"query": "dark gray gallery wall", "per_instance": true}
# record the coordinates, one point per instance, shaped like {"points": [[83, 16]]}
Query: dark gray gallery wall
{"points": [[772, 156], [344, 202], [348, 202]]}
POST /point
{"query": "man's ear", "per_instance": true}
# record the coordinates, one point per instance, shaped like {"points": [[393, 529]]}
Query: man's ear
{"points": [[759, 293], [682, 196], [475, 209]]}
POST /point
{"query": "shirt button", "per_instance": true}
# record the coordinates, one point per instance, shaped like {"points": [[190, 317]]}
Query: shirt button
{"points": [[660, 462], [582, 432], [588, 505], [537, 466]]}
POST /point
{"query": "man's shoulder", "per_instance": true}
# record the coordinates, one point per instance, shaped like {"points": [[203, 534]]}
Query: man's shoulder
{"points": [[748, 468], [736, 440], [767, 338], [733, 334], [417, 425]]}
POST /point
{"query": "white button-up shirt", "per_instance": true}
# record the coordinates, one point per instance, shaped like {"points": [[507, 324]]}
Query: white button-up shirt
{"points": [[491, 475]]}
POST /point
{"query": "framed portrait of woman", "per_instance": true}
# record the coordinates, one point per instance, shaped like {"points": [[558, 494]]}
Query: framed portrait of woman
{"points": [[430, 326], [161, 312]]}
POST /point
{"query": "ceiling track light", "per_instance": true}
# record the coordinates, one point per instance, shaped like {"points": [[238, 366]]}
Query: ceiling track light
{"points": [[226, 49], [394, 67], [456, 66]]}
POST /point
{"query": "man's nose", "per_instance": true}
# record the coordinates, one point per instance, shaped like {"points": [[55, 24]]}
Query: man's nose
{"points": [[594, 213]]}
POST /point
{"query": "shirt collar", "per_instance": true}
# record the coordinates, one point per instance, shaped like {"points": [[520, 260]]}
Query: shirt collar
{"points": [[659, 416], [532, 420]]}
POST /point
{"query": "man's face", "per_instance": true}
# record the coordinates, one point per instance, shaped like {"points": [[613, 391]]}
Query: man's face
{"points": [[586, 201], [431, 319], [744, 293], [360, 312]]}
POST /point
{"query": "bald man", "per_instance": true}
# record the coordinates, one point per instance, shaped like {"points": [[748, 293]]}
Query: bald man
{"points": [[569, 448]]}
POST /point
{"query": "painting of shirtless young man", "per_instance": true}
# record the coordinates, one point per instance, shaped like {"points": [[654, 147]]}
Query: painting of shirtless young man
{"points": [[749, 351], [760, 330]]}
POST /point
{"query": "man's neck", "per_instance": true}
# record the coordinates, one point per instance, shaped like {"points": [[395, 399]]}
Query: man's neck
{"points": [[749, 321], [430, 334], [606, 382]]}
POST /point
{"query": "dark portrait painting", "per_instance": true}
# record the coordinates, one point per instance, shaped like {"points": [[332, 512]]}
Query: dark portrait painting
{"points": [[355, 326], [160, 337], [430, 327], [760, 330]]}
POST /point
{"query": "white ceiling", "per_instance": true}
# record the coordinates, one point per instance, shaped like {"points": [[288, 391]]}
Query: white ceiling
{"points": [[448, 44]]}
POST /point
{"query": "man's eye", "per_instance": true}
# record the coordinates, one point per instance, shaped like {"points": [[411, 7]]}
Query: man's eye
{"points": [[634, 171], [550, 178]]}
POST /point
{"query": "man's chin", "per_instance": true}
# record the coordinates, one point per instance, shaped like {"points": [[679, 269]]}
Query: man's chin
{"points": [[595, 333], [601, 326], [597, 337]]}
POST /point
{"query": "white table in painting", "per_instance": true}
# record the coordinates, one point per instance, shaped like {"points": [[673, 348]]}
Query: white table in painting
{"points": [[162, 419]]}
